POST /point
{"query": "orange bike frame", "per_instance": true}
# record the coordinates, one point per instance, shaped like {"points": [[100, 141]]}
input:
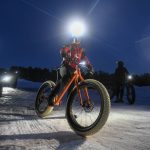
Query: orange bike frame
{"points": [[75, 78]]}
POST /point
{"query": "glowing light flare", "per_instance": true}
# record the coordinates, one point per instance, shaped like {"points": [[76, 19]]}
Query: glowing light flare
{"points": [[77, 28], [82, 63], [130, 77], [6, 78]]}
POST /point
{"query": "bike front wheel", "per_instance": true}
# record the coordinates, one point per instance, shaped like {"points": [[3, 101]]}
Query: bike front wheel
{"points": [[86, 119]]}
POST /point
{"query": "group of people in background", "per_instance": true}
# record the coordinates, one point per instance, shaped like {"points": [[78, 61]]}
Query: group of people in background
{"points": [[120, 78]]}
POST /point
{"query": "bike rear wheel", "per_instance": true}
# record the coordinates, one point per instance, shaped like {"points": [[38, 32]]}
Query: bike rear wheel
{"points": [[87, 119], [1, 90], [111, 92], [131, 94], [41, 104]]}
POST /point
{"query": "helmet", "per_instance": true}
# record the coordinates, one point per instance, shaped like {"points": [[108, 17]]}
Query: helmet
{"points": [[120, 63]]}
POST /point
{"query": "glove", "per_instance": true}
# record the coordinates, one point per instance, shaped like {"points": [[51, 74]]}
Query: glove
{"points": [[91, 69], [91, 72]]}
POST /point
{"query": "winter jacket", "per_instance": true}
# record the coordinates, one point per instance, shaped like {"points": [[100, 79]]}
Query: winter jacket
{"points": [[121, 74], [73, 54]]}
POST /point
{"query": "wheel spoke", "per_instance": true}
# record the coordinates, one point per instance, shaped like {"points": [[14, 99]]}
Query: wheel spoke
{"points": [[43, 97], [86, 115], [88, 118]]}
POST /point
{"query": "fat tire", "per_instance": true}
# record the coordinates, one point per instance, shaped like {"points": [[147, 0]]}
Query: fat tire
{"points": [[48, 109], [131, 101], [111, 92], [1, 90], [101, 120]]}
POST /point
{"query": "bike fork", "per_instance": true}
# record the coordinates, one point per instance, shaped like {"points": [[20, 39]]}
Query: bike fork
{"points": [[85, 93], [79, 92]]}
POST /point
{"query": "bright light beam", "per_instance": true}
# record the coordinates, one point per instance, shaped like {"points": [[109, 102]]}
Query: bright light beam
{"points": [[93, 7], [77, 28], [6, 78], [41, 10]]}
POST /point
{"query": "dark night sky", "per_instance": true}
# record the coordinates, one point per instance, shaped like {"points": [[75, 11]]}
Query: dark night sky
{"points": [[33, 31]]}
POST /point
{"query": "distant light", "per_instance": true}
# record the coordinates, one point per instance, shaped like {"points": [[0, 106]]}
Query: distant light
{"points": [[16, 72], [6, 78], [77, 28], [130, 77]]}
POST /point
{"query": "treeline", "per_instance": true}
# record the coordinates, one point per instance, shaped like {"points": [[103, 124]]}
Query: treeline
{"points": [[108, 79], [43, 74], [35, 74], [142, 80]]}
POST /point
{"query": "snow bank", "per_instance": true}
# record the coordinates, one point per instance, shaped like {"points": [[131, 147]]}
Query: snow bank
{"points": [[143, 95], [128, 126], [28, 85]]}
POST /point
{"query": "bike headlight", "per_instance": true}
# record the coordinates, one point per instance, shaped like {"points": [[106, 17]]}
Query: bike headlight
{"points": [[83, 63], [130, 77]]}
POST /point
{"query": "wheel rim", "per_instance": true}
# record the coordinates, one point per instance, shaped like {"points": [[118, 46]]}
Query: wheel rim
{"points": [[86, 116], [43, 97]]}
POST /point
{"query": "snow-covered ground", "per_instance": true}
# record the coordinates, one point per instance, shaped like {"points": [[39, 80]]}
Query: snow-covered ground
{"points": [[127, 128]]}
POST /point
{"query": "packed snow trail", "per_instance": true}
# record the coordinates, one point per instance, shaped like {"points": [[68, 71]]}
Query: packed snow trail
{"points": [[128, 127]]}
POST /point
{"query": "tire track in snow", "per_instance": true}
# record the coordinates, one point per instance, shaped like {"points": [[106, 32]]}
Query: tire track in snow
{"points": [[20, 128]]}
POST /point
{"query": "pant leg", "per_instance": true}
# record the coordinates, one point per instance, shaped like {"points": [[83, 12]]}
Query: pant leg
{"points": [[60, 84], [121, 92], [117, 91]]}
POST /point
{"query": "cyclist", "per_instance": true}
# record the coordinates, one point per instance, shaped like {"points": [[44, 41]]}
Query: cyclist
{"points": [[120, 77], [71, 55]]}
